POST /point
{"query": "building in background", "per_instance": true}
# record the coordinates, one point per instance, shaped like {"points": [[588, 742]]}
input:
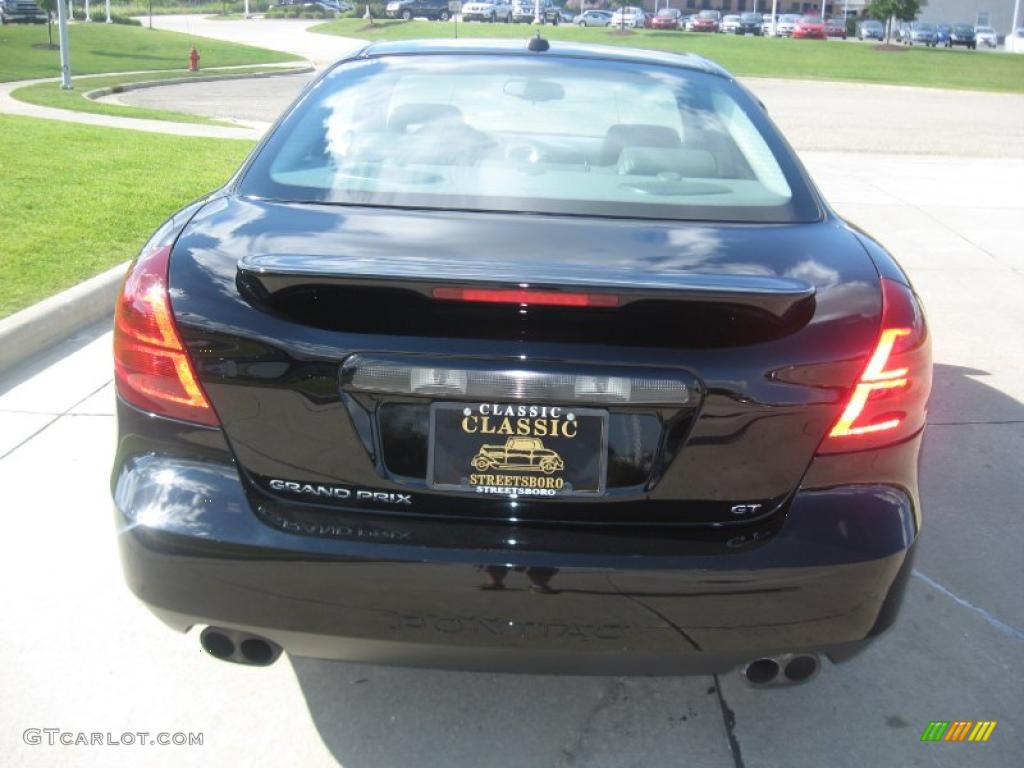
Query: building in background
{"points": [[988, 13]]}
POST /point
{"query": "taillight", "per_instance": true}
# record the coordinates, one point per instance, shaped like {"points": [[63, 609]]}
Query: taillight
{"points": [[152, 369], [888, 403]]}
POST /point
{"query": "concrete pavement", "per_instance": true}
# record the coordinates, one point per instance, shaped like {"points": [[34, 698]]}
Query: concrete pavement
{"points": [[289, 35], [84, 655]]}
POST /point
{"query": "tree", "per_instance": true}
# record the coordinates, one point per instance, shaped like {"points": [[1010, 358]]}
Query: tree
{"points": [[50, 6], [886, 10]]}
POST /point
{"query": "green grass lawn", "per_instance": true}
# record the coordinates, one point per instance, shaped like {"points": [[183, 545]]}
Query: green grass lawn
{"points": [[77, 199], [101, 48], [52, 95], [752, 56]]}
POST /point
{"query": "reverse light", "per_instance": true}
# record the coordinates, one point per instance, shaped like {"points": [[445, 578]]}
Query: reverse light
{"points": [[399, 376], [526, 296], [888, 402], [152, 369]]}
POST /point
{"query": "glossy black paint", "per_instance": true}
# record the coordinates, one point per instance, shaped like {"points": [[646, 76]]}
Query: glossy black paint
{"points": [[661, 575], [199, 547]]}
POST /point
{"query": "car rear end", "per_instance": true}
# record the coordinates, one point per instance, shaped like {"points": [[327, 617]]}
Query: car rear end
{"points": [[607, 436], [666, 19], [923, 34], [809, 28], [750, 24], [962, 34]]}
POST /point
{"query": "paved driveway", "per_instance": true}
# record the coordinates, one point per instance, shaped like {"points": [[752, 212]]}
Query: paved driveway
{"points": [[83, 655]]}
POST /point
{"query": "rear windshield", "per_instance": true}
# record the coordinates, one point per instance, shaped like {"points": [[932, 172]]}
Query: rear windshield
{"points": [[530, 134]]}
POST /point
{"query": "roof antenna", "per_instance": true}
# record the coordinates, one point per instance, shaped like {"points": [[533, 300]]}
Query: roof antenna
{"points": [[538, 43]]}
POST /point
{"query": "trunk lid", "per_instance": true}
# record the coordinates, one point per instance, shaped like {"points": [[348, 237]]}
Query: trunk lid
{"points": [[722, 363]]}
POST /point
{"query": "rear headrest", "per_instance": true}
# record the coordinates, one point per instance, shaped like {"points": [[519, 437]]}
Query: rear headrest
{"points": [[415, 114], [650, 161], [623, 135]]}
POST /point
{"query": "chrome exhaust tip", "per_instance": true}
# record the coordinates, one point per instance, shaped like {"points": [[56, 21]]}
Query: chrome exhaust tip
{"points": [[781, 669], [239, 647]]}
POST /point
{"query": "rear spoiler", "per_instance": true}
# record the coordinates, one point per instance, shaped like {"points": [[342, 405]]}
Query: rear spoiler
{"points": [[267, 275]]}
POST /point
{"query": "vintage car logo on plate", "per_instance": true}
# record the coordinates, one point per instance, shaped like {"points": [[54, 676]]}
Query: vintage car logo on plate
{"points": [[517, 449]]}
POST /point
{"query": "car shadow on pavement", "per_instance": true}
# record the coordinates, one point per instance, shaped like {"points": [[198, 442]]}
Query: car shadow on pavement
{"points": [[382, 716]]}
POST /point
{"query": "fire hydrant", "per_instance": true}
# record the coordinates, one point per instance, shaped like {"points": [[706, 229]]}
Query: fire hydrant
{"points": [[193, 60]]}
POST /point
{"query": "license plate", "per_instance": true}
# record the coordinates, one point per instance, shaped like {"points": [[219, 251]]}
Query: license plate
{"points": [[518, 449]]}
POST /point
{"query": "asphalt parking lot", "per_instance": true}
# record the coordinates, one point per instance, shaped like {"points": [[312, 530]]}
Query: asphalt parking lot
{"points": [[83, 655]]}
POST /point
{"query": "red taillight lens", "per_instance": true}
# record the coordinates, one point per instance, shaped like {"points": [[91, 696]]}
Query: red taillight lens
{"points": [[889, 401], [527, 296], [152, 370]]}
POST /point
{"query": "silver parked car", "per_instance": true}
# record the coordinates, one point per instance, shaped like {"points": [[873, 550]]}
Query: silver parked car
{"points": [[986, 36], [593, 18]]}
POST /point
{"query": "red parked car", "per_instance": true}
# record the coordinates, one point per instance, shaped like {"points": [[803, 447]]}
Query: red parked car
{"points": [[667, 18], [707, 21], [809, 27]]}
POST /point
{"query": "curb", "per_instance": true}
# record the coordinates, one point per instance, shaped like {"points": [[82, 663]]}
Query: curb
{"points": [[50, 321], [99, 93]]}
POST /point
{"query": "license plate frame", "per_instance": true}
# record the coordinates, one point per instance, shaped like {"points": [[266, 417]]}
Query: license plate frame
{"points": [[485, 442]]}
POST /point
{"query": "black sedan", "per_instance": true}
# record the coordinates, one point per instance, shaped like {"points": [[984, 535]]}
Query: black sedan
{"points": [[498, 355], [962, 34], [749, 24]]}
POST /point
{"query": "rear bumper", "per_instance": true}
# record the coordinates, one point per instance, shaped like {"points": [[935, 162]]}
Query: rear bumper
{"points": [[827, 575]]}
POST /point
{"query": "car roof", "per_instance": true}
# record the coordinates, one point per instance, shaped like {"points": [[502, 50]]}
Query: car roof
{"points": [[513, 47]]}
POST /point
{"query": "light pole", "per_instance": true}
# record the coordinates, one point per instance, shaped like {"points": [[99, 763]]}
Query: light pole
{"points": [[65, 51], [775, 5], [109, 20], [1016, 13], [88, 16], [536, 12], [247, 9]]}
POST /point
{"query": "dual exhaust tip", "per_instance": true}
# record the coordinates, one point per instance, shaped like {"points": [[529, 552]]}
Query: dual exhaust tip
{"points": [[244, 648], [239, 647], [782, 669]]}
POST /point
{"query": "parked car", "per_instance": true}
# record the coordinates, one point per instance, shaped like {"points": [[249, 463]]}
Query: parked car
{"points": [[835, 28], [565, 16], [870, 29], [786, 24], [627, 17], [667, 18], [411, 9], [986, 36], [524, 12], [809, 28], [750, 24], [1014, 42], [766, 24], [730, 23], [593, 18], [736, 389], [901, 31], [14, 11], [923, 33], [707, 21], [487, 10], [962, 34], [942, 33]]}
